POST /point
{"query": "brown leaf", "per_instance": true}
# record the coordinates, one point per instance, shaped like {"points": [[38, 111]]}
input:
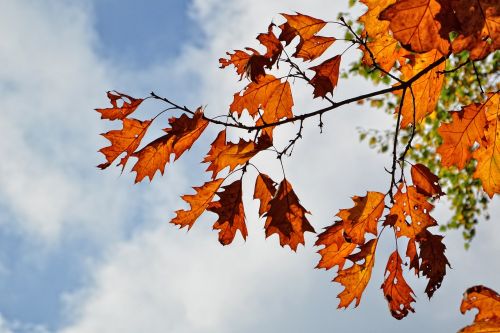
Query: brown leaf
{"points": [[396, 291], [125, 141], [265, 189], [299, 25], [231, 213], [425, 181], [336, 249], [487, 301], [356, 278], [180, 137], [313, 47], [224, 154], [434, 262], [248, 65], [465, 128], [326, 77], [421, 25], [363, 217], [272, 44], [128, 105], [199, 202], [411, 253], [287, 217]]}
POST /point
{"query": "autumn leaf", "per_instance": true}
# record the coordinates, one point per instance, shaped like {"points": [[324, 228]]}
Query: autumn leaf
{"points": [[224, 154], [199, 202], [426, 90], [433, 261], [182, 134], [425, 181], [421, 25], [250, 65], [465, 128], [487, 301], [265, 189], [313, 47], [326, 77], [125, 141], [411, 253], [287, 217], [396, 291], [363, 217], [412, 210], [336, 247], [356, 278], [299, 25], [231, 213], [128, 105], [272, 44]]}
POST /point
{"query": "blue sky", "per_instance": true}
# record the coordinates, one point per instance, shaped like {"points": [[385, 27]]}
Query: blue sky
{"points": [[84, 251]]}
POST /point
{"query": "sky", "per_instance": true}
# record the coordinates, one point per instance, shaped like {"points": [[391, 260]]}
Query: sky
{"points": [[84, 250]]}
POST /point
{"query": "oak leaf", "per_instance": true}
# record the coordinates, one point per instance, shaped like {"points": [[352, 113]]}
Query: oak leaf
{"points": [[396, 291], [199, 202], [125, 141], [274, 48], [411, 253], [363, 217], [356, 278], [326, 77], [421, 25], [313, 47], [128, 105], [433, 261], [465, 128], [336, 249], [487, 301], [231, 213], [246, 64], [265, 189], [182, 134], [224, 154], [287, 217], [299, 25], [425, 181]]}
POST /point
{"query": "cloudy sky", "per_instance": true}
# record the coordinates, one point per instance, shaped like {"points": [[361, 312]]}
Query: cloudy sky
{"points": [[84, 251]]}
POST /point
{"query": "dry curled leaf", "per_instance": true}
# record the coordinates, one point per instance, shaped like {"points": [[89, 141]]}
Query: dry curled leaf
{"points": [[326, 77], [487, 301], [127, 106]]}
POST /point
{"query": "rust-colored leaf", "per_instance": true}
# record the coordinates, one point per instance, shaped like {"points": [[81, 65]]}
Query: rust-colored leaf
{"points": [[231, 213], [272, 44], [182, 134], [411, 253], [199, 202], [224, 154], [287, 217], [363, 217], [125, 141], [299, 25], [356, 278], [326, 77], [313, 47], [433, 261], [425, 181], [426, 90], [336, 249], [465, 128], [413, 212], [421, 25], [487, 301], [128, 105], [246, 64], [397, 292], [265, 189]]}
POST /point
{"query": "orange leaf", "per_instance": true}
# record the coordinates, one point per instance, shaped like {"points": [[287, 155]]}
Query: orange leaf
{"points": [[487, 301], [231, 213], [356, 278], [249, 65], [287, 217], [224, 154], [313, 47], [129, 105], [326, 77], [412, 210], [300, 25], [125, 141], [421, 25], [425, 181], [434, 262], [426, 89], [199, 202], [363, 217], [411, 253], [396, 291], [488, 153], [336, 249], [272, 44], [265, 189], [466, 128], [180, 137]]}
